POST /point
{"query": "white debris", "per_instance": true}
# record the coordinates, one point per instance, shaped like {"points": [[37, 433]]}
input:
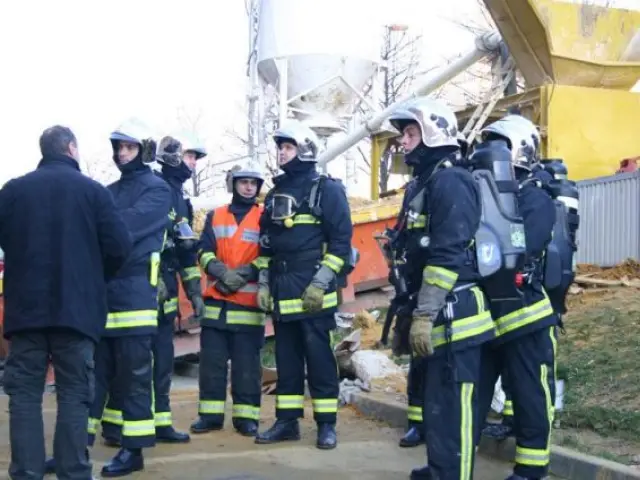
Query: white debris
{"points": [[348, 388], [499, 397], [371, 364]]}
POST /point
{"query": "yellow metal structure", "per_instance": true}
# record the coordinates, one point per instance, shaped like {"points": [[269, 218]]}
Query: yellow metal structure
{"points": [[568, 44], [591, 129]]}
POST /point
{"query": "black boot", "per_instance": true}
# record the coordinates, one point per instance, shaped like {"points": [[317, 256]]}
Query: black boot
{"points": [[246, 427], [50, 464], [497, 431], [513, 476], [281, 431], [422, 473], [124, 463], [202, 425], [327, 438], [412, 438], [170, 435]]}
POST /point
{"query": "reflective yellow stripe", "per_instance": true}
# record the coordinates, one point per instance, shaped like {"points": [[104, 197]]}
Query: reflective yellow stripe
{"points": [[212, 313], [112, 416], [305, 219], [211, 407], [414, 414], [554, 343], [507, 411], [333, 262], [205, 258], [440, 277], [289, 402], [467, 448], [289, 307], [92, 426], [325, 405], [419, 222], [261, 263], [162, 419], [246, 411], [132, 319], [524, 316], [138, 428], [190, 273], [170, 305], [532, 457], [244, 317]]}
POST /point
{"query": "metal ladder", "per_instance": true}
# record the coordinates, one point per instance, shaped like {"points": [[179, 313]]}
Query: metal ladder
{"points": [[502, 75]]}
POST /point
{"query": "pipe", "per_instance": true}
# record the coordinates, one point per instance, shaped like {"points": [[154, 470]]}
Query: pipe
{"points": [[485, 45]]}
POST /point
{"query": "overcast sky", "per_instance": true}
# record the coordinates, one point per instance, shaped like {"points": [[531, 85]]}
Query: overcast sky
{"points": [[90, 64]]}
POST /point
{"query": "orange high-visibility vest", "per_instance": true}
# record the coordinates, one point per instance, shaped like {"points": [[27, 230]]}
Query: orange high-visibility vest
{"points": [[236, 245]]}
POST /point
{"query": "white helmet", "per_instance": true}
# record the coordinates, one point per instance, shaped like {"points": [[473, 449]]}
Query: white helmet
{"points": [[301, 136], [249, 170], [133, 130], [173, 147], [521, 135], [438, 123]]}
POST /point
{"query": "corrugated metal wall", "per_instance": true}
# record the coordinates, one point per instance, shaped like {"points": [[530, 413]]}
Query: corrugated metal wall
{"points": [[609, 219]]}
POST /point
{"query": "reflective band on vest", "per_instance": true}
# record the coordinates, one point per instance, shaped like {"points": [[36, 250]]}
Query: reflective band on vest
{"points": [[236, 245]]}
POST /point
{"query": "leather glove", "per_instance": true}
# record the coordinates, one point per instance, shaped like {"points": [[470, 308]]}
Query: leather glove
{"points": [[248, 272], [163, 293], [231, 279], [313, 296], [265, 302], [194, 292], [198, 307], [420, 336]]}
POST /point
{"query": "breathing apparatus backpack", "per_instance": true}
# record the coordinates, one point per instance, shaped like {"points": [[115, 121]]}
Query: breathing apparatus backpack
{"points": [[499, 243], [559, 259], [315, 198]]}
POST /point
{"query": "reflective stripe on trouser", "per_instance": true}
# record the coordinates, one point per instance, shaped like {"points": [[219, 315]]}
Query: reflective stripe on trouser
{"points": [[217, 346], [415, 391], [531, 359], [162, 369], [449, 418], [124, 366], [310, 341]]}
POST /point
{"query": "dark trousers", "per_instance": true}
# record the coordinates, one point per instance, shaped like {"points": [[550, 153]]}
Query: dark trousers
{"points": [[124, 369], [24, 379], [529, 362], [162, 369], [307, 341], [415, 391], [450, 403], [217, 347]]}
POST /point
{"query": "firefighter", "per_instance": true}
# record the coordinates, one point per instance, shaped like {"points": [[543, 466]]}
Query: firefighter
{"points": [[124, 358], [178, 156], [525, 345], [306, 232], [451, 320], [233, 326]]}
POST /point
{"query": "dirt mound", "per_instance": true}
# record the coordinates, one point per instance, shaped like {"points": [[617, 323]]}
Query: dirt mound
{"points": [[629, 268]]}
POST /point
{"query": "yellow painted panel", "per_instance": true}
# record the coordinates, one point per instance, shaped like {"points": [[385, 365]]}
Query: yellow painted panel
{"points": [[569, 44], [592, 129]]}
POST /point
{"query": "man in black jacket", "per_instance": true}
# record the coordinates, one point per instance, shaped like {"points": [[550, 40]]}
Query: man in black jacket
{"points": [[63, 240]]}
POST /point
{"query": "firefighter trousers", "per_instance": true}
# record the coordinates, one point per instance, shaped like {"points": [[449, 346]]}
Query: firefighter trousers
{"points": [[124, 369], [217, 347], [450, 402], [529, 363], [162, 369], [299, 342], [507, 412], [415, 391]]}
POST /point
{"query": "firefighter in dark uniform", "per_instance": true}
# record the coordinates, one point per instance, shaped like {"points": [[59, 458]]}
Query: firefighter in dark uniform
{"points": [[306, 232], [451, 320], [525, 346], [178, 156], [124, 358], [233, 327], [403, 309]]}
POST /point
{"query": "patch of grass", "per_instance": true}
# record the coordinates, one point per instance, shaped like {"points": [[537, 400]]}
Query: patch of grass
{"points": [[268, 353], [599, 359]]}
